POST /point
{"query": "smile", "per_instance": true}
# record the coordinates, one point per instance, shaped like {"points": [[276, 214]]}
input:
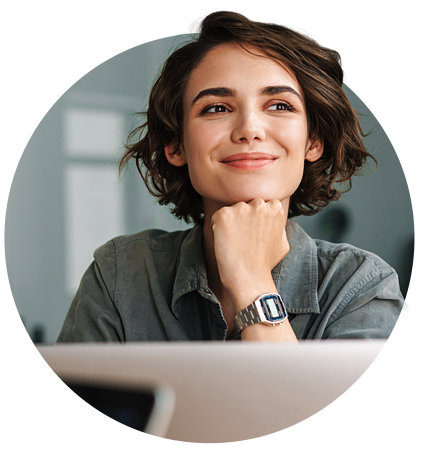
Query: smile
{"points": [[249, 164]]}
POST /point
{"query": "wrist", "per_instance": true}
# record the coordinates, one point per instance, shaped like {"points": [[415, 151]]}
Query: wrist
{"points": [[245, 293], [254, 329]]}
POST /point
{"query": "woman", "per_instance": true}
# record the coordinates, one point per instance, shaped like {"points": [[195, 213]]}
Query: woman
{"points": [[247, 127]]}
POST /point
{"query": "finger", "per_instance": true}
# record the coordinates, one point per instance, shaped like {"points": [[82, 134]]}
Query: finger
{"points": [[274, 202], [256, 202], [275, 205], [258, 206]]}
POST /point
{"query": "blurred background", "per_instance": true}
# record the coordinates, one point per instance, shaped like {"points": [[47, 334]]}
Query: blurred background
{"points": [[66, 198]]}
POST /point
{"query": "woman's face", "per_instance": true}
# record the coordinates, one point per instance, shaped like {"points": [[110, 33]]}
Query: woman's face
{"points": [[245, 132]]}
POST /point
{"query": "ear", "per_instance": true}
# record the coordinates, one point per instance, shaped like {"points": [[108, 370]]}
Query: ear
{"points": [[175, 154], [315, 150]]}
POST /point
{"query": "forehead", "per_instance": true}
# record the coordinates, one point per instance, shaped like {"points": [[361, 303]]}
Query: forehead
{"points": [[230, 65]]}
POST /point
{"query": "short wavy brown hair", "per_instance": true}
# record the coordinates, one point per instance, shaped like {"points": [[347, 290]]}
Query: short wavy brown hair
{"points": [[330, 116]]}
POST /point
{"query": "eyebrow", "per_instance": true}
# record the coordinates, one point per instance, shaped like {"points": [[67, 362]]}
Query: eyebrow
{"points": [[227, 92]]}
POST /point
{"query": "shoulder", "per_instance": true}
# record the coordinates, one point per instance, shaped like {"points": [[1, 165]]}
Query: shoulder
{"points": [[354, 276], [349, 257], [343, 265], [124, 258], [154, 239], [128, 251], [324, 256]]}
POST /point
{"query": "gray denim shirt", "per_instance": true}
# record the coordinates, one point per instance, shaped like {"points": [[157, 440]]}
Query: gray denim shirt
{"points": [[153, 286]]}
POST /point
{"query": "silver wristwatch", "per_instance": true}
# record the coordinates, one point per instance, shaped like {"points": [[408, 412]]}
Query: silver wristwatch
{"points": [[267, 309]]}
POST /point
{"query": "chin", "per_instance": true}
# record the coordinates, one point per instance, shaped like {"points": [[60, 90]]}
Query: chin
{"points": [[247, 197]]}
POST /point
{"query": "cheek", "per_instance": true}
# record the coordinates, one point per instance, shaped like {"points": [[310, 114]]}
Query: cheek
{"points": [[294, 136], [199, 178], [200, 141], [203, 139]]}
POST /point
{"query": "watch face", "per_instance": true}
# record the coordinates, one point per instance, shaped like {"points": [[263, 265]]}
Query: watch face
{"points": [[273, 308]]}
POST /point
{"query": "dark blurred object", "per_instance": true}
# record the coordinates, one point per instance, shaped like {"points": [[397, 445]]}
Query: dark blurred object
{"points": [[334, 223], [38, 334], [405, 254]]}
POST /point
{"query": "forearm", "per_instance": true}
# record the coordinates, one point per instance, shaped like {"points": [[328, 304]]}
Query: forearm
{"points": [[245, 294]]}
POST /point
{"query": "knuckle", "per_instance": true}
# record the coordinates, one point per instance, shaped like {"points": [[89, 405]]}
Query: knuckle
{"points": [[275, 204], [259, 204]]}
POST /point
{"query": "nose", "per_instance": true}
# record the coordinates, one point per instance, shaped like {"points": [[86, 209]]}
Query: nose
{"points": [[247, 128]]}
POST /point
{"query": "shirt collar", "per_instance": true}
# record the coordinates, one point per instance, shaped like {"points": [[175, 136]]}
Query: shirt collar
{"points": [[296, 276]]}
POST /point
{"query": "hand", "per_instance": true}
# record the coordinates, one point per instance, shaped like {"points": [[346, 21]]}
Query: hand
{"points": [[249, 241]]}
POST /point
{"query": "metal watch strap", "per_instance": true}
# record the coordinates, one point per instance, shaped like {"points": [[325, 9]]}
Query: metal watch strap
{"points": [[246, 317]]}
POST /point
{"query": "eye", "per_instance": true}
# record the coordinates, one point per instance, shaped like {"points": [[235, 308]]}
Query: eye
{"points": [[280, 106], [215, 109], [287, 107]]}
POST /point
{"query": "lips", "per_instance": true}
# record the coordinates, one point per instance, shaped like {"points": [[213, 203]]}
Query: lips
{"points": [[248, 156]]}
